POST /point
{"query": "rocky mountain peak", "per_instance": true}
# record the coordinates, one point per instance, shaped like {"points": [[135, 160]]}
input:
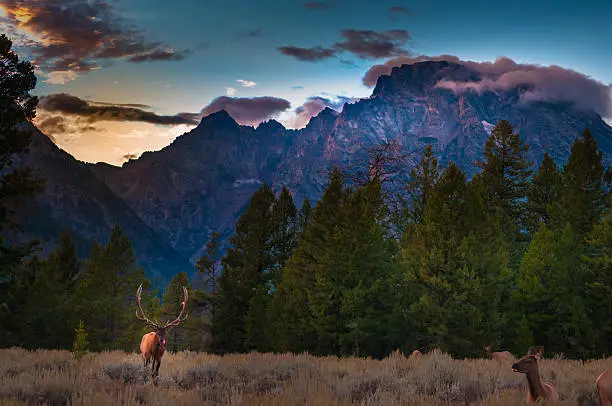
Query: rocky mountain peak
{"points": [[420, 77]]}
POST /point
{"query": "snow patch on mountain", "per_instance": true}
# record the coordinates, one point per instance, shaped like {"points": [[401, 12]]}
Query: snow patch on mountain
{"points": [[488, 127], [250, 181]]}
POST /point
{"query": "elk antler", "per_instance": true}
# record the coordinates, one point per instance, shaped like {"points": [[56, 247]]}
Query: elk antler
{"points": [[143, 317], [178, 320]]}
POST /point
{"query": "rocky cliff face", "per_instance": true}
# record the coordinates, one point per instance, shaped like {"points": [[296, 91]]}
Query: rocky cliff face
{"points": [[75, 198], [202, 181]]}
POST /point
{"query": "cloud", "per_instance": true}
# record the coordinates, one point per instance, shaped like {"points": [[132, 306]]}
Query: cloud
{"points": [[230, 91], [365, 44], [542, 83], [316, 5], [130, 156], [246, 83], [248, 111], [313, 106], [297, 87], [70, 37], [313, 54], [160, 55], [95, 111]]}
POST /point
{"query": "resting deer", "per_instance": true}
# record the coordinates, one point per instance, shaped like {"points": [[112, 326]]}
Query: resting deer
{"points": [[498, 355], [604, 387], [536, 389], [153, 344]]}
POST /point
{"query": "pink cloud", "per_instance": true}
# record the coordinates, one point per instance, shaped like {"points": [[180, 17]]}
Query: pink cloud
{"points": [[547, 83]]}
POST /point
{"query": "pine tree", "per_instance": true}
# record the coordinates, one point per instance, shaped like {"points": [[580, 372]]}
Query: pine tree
{"points": [[17, 109], [79, 347], [420, 185], [304, 217], [295, 325], [208, 265], [505, 174], [247, 266], [583, 197], [543, 193], [105, 294], [171, 307], [599, 283], [284, 232], [551, 291], [46, 309]]}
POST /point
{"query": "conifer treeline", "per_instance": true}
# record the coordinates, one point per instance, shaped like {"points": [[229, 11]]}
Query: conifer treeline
{"points": [[511, 258]]}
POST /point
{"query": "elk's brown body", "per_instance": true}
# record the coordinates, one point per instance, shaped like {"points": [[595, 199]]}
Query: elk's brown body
{"points": [[153, 344], [604, 387], [498, 355], [536, 389]]}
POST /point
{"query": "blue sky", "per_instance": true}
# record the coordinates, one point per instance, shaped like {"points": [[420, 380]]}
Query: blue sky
{"points": [[229, 40]]}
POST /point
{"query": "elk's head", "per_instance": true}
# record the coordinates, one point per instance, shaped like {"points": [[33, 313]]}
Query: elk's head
{"points": [[526, 365], [161, 330], [537, 351]]}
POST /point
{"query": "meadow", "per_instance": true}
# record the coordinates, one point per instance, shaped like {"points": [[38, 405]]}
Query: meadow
{"points": [[190, 378]]}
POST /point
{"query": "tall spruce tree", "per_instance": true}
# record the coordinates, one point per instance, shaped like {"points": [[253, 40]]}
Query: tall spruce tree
{"points": [[291, 304], [105, 294], [599, 284], [551, 291], [420, 185], [583, 196], [247, 268], [543, 193], [178, 337], [505, 175]]}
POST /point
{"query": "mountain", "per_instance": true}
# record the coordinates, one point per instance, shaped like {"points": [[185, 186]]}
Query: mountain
{"points": [[202, 181], [77, 199]]}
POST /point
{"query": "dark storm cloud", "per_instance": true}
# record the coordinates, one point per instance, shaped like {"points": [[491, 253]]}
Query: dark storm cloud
{"points": [[76, 35], [316, 5], [68, 104], [248, 111], [308, 54], [547, 83], [365, 44]]}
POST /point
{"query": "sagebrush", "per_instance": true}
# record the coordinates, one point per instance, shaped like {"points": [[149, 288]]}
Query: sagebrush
{"points": [[190, 378]]}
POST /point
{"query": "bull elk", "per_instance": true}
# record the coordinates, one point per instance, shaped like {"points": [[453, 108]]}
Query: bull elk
{"points": [[536, 389], [604, 387], [153, 344], [498, 355]]}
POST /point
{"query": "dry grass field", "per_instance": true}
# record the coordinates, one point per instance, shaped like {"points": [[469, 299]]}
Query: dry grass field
{"points": [[188, 378]]}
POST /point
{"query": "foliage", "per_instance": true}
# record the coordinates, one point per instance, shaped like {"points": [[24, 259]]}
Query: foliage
{"points": [[79, 348]]}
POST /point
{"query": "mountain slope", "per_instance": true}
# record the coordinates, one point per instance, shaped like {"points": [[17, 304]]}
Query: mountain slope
{"points": [[75, 198], [203, 179]]}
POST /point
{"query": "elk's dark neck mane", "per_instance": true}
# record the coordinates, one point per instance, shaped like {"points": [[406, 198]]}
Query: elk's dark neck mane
{"points": [[534, 382]]}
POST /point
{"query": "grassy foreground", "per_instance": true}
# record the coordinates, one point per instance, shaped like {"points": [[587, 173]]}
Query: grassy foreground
{"points": [[188, 378]]}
